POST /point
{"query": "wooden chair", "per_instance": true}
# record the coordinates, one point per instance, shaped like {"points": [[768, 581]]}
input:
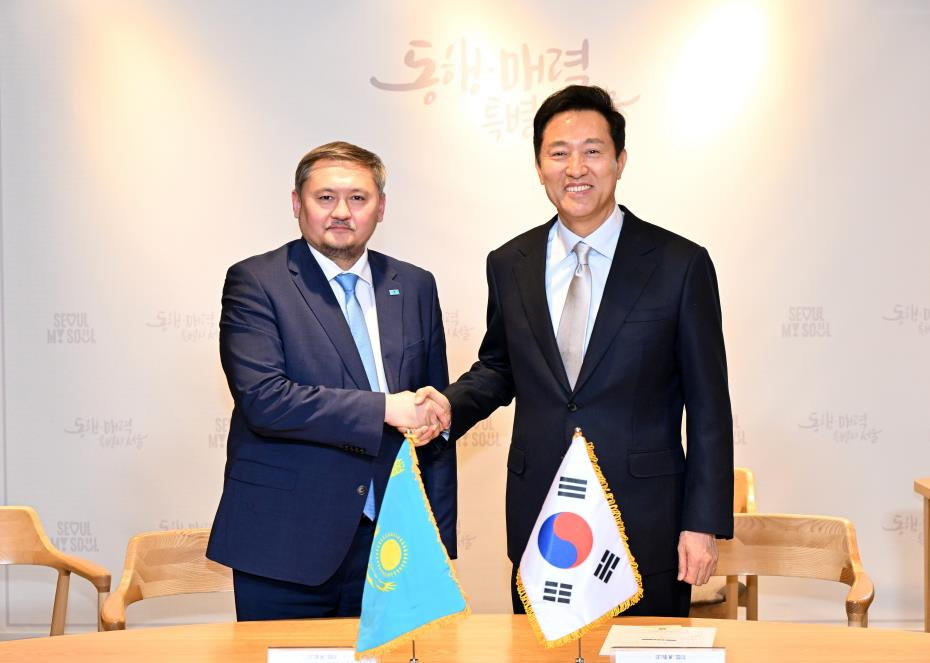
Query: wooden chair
{"points": [[708, 601], [800, 547], [164, 564], [23, 541], [744, 490]]}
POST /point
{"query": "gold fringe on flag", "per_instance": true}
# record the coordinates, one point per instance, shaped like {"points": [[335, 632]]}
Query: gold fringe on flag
{"points": [[412, 635], [613, 612]]}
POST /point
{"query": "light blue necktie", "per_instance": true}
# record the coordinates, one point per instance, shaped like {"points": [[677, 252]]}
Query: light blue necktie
{"points": [[356, 320]]}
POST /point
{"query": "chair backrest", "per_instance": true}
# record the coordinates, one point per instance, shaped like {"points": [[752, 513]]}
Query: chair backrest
{"points": [[744, 490], [23, 541], [801, 547], [163, 564]]}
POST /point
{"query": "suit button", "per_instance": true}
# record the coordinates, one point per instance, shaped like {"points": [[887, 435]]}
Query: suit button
{"points": [[361, 490], [572, 407]]}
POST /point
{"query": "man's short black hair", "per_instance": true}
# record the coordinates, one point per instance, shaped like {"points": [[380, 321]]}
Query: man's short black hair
{"points": [[576, 98]]}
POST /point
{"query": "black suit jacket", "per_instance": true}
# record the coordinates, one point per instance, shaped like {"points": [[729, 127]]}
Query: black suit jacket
{"points": [[307, 435], [656, 348]]}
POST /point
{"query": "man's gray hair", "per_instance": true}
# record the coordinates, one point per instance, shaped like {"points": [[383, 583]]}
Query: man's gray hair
{"points": [[340, 151]]}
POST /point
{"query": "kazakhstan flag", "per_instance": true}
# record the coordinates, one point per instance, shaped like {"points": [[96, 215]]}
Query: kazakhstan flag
{"points": [[411, 584]]}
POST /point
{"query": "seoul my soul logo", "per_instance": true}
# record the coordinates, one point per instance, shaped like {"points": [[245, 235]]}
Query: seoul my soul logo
{"points": [[806, 322], [565, 540], [70, 328]]}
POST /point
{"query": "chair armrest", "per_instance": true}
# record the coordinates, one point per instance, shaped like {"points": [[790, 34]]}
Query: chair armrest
{"points": [[113, 612], [96, 574], [858, 600]]}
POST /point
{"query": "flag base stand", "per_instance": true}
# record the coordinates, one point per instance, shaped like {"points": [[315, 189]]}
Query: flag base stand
{"points": [[580, 658]]}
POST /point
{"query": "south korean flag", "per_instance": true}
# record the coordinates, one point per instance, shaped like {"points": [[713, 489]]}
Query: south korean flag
{"points": [[577, 570]]}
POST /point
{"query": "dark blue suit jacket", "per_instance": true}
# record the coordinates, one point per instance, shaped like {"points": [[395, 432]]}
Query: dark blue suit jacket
{"points": [[656, 349], [307, 435]]}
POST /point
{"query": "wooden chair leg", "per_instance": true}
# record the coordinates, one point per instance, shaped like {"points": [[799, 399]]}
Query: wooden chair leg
{"points": [[60, 607], [101, 597], [855, 617], [732, 597], [752, 598]]}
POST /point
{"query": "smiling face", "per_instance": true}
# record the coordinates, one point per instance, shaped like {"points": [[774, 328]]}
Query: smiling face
{"points": [[579, 168], [338, 208]]}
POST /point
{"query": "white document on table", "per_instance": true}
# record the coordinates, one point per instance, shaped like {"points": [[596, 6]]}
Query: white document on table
{"points": [[671, 636]]}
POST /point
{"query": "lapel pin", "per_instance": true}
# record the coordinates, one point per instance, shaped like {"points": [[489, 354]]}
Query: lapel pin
{"points": [[393, 292]]}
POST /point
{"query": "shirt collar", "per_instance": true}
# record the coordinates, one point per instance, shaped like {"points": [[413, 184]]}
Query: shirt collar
{"points": [[603, 240], [331, 270]]}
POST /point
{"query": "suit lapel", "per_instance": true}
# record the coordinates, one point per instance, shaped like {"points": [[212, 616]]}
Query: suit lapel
{"points": [[317, 292], [530, 275], [630, 270], [390, 316]]}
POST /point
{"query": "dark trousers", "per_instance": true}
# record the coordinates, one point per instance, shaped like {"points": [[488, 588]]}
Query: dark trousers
{"points": [[663, 596], [259, 598]]}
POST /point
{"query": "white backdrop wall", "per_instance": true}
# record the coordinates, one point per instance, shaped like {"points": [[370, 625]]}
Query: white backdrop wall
{"points": [[146, 146]]}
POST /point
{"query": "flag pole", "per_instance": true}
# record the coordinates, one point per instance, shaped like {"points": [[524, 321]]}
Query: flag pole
{"points": [[413, 652], [580, 658]]}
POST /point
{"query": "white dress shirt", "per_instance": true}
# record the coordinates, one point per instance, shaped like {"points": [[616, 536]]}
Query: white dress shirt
{"points": [[365, 293], [561, 263]]}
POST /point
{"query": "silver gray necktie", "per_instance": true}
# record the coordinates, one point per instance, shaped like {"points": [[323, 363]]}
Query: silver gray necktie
{"points": [[574, 321]]}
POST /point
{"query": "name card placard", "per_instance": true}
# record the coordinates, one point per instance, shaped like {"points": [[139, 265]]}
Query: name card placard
{"points": [[674, 655], [315, 655]]}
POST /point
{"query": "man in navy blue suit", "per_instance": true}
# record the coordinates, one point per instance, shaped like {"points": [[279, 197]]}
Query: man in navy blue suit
{"points": [[321, 341], [600, 320]]}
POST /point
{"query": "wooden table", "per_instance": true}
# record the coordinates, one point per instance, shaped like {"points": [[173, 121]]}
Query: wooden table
{"points": [[479, 638], [922, 486]]}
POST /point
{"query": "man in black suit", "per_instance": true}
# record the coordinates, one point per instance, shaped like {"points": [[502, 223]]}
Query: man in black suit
{"points": [[321, 341], [599, 320]]}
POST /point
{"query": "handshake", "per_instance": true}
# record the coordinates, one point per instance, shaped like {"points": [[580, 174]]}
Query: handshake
{"points": [[424, 414]]}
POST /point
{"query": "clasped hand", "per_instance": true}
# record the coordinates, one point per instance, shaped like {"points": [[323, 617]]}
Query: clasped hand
{"points": [[424, 414]]}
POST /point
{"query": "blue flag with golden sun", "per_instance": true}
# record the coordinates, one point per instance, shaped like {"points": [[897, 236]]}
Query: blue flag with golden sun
{"points": [[411, 584]]}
